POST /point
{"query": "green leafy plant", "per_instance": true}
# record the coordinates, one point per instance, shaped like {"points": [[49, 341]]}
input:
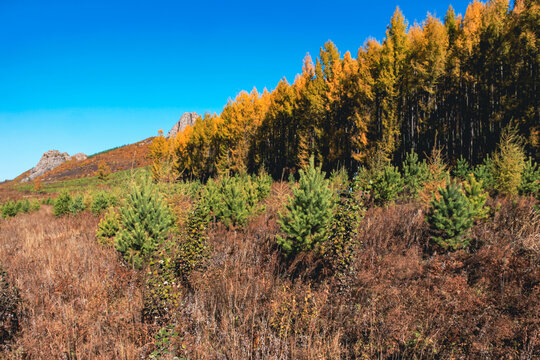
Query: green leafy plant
{"points": [[338, 248], [162, 291], [163, 342], [10, 309], [145, 222], [62, 204], [450, 217], [308, 213], [193, 244]]}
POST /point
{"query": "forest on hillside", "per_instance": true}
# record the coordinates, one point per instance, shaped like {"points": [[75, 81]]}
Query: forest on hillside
{"points": [[452, 84]]}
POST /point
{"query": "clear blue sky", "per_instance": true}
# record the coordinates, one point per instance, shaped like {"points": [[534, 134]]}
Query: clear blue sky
{"points": [[87, 76]]}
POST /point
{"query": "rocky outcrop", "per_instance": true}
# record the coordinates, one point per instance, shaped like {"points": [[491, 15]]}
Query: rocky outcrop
{"points": [[49, 161], [185, 120], [78, 157]]}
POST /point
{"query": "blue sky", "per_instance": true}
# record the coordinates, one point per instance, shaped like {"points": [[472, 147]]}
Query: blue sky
{"points": [[87, 76]]}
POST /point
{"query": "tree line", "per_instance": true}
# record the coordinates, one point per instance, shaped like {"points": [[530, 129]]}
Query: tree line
{"points": [[451, 84]]}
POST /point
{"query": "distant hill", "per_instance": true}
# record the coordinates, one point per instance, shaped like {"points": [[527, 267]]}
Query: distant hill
{"points": [[121, 158]]}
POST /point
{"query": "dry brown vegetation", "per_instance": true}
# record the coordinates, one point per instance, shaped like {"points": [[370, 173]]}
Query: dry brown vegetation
{"points": [[79, 300], [399, 300]]}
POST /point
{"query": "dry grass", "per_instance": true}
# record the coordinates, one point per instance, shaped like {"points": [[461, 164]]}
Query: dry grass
{"points": [[80, 302], [398, 300]]}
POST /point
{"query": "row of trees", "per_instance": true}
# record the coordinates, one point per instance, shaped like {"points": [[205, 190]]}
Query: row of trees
{"points": [[451, 84]]}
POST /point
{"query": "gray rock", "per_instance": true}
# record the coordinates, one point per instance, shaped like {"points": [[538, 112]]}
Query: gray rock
{"points": [[78, 157], [49, 161], [185, 120]]}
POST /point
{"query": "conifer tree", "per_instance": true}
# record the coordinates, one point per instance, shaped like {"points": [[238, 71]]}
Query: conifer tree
{"points": [[415, 173], [450, 217], [530, 179], [145, 223], [108, 228], [388, 185], [308, 212], [462, 168], [62, 204], [477, 198], [509, 162]]}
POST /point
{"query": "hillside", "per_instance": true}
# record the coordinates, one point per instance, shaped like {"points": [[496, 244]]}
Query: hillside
{"points": [[125, 157]]}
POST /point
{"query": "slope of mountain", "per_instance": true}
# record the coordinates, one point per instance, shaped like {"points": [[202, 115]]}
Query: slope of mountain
{"points": [[121, 158]]}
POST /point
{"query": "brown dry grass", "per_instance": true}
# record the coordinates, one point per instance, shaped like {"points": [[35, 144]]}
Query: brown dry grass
{"points": [[80, 302], [398, 301]]}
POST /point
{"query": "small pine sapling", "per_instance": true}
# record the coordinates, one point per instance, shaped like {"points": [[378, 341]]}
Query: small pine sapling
{"points": [[62, 204], [530, 179], [108, 228], [388, 185], [484, 172], [477, 199], [308, 213], [462, 169], [145, 223], [415, 173], [450, 217], [77, 205]]}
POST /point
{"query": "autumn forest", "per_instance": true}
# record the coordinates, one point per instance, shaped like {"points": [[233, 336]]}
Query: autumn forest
{"points": [[452, 84]]}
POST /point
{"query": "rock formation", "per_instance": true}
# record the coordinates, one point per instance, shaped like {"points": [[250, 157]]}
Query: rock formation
{"points": [[49, 161], [185, 120]]}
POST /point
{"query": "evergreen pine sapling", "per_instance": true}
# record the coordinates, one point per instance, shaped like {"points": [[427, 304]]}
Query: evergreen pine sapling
{"points": [[62, 204], [462, 169], [308, 213], [530, 179], [145, 222], [415, 173], [484, 173], [108, 228], [388, 185], [477, 198], [450, 217]]}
